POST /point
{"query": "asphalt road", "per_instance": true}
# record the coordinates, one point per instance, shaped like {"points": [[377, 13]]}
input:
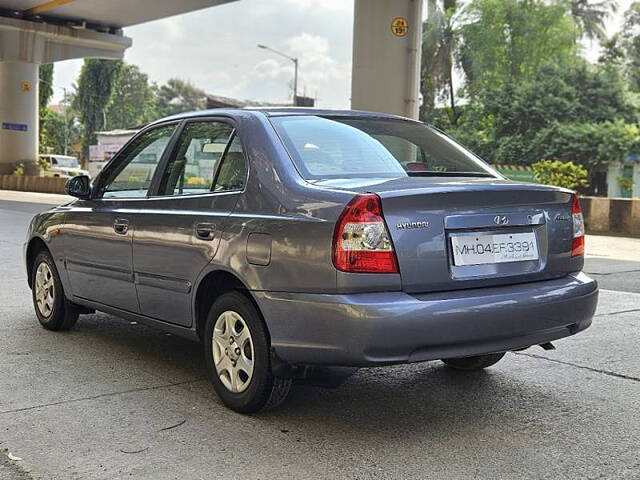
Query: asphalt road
{"points": [[112, 399]]}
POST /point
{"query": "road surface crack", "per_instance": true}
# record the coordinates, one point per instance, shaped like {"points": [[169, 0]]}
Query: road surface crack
{"points": [[617, 313], [102, 395], [583, 367], [612, 273]]}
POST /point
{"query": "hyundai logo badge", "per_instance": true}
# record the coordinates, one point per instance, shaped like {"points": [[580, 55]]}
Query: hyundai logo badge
{"points": [[501, 220]]}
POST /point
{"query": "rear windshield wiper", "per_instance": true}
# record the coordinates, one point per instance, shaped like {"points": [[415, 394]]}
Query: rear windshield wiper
{"points": [[450, 174]]}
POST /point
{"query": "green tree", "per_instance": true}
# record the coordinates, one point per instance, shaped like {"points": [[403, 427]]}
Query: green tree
{"points": [[57, 131], [528, 93], [590, 16], [566, 112], [45, 91], [629, 41], [136, 100], [507, 41], [93, 96], [441, 42], [178, 96]]}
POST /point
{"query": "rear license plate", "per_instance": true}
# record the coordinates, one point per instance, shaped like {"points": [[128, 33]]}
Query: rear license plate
{"points": [[494, 248]]}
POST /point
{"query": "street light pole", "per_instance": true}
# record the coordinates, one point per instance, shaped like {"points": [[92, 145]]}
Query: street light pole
{"points": [[295, 69], [295, 82]]}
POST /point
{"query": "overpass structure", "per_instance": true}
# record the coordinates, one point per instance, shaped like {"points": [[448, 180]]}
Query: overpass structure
{"points": [[386, 54]]}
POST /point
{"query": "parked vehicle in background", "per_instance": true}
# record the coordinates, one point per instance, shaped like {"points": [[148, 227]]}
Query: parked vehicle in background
{"points": [[290, 241], [62, 166]]}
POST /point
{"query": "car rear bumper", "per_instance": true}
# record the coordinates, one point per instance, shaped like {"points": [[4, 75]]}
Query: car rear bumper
{"points": [[369, 329]]}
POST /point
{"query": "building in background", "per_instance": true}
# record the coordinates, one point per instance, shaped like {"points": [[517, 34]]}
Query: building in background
{"points": [[623, 178], [218, 101], [109, 143]]}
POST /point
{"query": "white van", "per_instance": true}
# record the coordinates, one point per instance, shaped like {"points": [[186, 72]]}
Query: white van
{"points": [[62, 166]]}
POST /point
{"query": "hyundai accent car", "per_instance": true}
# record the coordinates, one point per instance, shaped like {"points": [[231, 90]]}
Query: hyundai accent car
{"points": [[295, 240]]}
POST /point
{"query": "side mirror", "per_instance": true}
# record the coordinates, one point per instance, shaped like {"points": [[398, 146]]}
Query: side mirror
{"points": [[79, 187]]}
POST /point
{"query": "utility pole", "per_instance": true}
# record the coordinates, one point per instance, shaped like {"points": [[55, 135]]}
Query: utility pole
{"points": [[295, 82], [66, 120]]}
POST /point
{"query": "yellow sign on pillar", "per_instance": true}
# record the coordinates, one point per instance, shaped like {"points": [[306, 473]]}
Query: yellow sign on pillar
{"points": [[25, 87], [399, 26]]}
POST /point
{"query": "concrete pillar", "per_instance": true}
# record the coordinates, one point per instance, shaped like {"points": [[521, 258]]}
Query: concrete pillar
{"points": [[18, 115], [387, 36]]}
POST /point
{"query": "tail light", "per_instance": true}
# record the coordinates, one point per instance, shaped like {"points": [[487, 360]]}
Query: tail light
{"points": [[577, 248], [361, 241]]}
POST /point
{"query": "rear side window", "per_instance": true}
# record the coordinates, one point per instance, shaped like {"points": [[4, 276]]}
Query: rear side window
{"points": [[208, 157], [196, 158], [324, 148], [233, 170]]}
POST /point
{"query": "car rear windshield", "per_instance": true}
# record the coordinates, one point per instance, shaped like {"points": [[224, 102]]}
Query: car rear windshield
{"points": [[324, 148]]}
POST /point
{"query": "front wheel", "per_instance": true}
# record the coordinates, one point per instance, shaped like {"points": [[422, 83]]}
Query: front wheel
{"points": [[237, 354], [53, 310], [474, 363]]}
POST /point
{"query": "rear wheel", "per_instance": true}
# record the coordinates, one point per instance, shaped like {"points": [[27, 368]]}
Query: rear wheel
{"points": [[474, 363], [237, 353], [53, 310]]}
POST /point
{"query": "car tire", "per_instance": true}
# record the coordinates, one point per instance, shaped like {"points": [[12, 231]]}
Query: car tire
{"points": [[237, 354], [474, 363], [52, 308]]}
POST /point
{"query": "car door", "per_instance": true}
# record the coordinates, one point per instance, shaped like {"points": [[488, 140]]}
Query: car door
{"points": [[98, 233], [178, 230]]}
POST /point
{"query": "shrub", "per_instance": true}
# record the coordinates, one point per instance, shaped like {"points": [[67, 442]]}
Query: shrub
{"points": [[43, 164], [625, 183], [561, 174], [19, 170]]}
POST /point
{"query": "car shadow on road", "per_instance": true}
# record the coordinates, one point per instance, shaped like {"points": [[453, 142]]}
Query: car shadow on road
{"points": [[429, 397], [382, 403]]}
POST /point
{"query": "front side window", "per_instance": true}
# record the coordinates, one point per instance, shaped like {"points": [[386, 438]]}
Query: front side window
{"points": [[325, 148], [132, 174]]}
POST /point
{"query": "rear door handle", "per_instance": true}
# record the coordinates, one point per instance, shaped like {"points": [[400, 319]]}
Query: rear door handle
{"points": [[121, 226], [205, 231]]}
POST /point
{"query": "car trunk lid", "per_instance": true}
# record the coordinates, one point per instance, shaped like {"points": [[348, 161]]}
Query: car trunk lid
{"points": [[432, 220]]}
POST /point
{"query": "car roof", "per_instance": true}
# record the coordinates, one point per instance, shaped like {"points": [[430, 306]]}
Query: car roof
{"points": [[280, 112]]}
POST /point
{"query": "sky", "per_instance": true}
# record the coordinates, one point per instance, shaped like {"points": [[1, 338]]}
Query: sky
{"points": [[216, 49]]}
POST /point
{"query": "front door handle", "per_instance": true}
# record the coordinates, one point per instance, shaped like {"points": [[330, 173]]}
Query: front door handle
{"points": [[121, 226], [205, 231]]}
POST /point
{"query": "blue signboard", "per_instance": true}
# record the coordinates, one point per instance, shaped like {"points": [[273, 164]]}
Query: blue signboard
{"points": [[19, 127]]}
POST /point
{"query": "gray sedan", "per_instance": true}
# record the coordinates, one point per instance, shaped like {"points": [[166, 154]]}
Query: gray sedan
{"points": [[295, 243]]}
